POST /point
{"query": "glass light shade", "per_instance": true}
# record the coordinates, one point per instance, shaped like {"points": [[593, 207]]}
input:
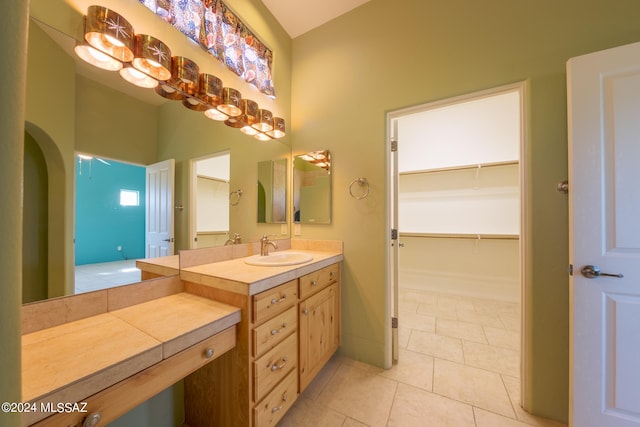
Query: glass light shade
{"points": [[264, 123], [109, 32], [209, 89], [137, 78], [261, 137], [215, 114], [278, 130], [96, 58], [230, 104], [152, 57], [183, 81], [248, 130]]}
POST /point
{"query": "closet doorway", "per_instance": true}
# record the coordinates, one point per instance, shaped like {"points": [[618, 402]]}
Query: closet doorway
{"points": [[455, 250]]}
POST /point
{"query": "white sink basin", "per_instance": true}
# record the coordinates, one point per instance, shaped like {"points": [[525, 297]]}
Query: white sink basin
{"points": [[277, 259]]}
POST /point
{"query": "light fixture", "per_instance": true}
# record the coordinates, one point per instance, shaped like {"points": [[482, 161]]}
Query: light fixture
{"points": [[262, 136], [110, 43], [108, 32], [96, 58], [207, 95], [230, 104], [137, 77], [246, 119], [264, 123], [152, 57], [278, 130], [183, 80]]}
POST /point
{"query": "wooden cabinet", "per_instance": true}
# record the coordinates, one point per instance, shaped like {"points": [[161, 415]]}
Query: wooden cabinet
{"points": [[286, 335], [319, 332]]}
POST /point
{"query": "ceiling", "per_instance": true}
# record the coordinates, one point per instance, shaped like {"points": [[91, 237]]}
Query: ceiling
{"points": [[299, 16]]}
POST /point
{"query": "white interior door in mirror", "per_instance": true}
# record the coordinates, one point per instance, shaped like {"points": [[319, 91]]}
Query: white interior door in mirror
{"points": [[159, 218]]}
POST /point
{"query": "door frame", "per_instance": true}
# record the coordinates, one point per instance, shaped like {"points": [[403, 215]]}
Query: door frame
{"points": [[392, 267]]}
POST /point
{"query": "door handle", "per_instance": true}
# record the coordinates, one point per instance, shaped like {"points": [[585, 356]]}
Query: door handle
{"points": [[593, 271]]}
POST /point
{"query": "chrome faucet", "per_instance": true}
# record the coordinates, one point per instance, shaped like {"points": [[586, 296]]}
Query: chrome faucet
{"points": [[234, 240], [264, 245]]}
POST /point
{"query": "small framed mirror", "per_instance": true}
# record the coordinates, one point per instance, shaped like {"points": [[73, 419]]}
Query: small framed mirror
{"points": [[312, 188], [272, 191]]}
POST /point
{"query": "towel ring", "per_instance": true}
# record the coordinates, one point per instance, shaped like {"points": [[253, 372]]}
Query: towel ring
{"points": [[361, 182], [234, 197]]}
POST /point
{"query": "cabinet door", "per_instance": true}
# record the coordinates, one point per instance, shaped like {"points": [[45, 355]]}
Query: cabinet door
{"points": [[319, 332]]}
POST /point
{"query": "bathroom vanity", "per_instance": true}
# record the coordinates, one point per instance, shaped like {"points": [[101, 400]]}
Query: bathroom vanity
{"points": [[289, 328], [89, 358], [246, 332]]}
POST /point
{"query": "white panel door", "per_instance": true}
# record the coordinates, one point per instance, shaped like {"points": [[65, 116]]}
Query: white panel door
{"points": [[159, 218], [604, 169]]}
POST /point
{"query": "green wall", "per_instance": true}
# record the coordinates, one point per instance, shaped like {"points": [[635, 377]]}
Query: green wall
{"points": [[384, 56]]}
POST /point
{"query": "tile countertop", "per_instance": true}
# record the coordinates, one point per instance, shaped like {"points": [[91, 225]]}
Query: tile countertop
{"points": [[69, 362], [165, 266], [237, 276]]}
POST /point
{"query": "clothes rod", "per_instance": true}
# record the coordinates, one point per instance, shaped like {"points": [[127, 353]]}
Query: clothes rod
{"points": [[468, 236], [459, 168]]}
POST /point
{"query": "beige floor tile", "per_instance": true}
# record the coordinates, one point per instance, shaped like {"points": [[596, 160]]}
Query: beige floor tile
{"points": [[436, 345], [474, 386], [495, 306], [403, 336], [408, 307], [420, 322], [412, 368], [361, 394], [496, 359], [484, 319], [320, 381], [415, 407], [438, 311], [511, 322], [502, 338], [463, 330], [489, 419], [306, 412], [350, 422]]}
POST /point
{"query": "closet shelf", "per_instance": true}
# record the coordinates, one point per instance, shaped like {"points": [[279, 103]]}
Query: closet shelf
{"points": [[457, 168], [470, 236]]}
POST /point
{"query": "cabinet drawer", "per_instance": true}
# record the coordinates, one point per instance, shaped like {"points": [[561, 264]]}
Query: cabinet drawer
{"points": [[320, 279], [274, 406], [269, 303], [273, 366], [274, 331]]}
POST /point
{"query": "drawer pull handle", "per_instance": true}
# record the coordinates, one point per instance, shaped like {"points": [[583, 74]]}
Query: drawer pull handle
{"points": [[277, 408], [277, 331], [208, 353], [93, 419], [276, 301], [276, 367], [314, 283]]}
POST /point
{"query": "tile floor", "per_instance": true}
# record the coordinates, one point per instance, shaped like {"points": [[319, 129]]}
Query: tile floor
{"points": [[92, 277], [459, 366]]}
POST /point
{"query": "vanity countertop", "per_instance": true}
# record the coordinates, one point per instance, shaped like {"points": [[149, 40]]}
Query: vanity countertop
{"points": [[74, 360], [164, 266], [242, 278]]}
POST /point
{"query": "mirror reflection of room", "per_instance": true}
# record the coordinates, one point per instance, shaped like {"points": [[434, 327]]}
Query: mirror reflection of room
{"points": [[312, 188], [210, 201], [272, 191]]}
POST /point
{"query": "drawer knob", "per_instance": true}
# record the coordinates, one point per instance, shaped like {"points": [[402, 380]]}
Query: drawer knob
{"points": [[92, 419], [314, 283], [276, 367], [277, 331], [305, 311], [276, 301], [208, 353], [277, 408]]}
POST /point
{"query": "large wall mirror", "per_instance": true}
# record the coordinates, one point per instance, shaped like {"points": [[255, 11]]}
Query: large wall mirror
{"points": [[312, 188], [75, 108]]}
